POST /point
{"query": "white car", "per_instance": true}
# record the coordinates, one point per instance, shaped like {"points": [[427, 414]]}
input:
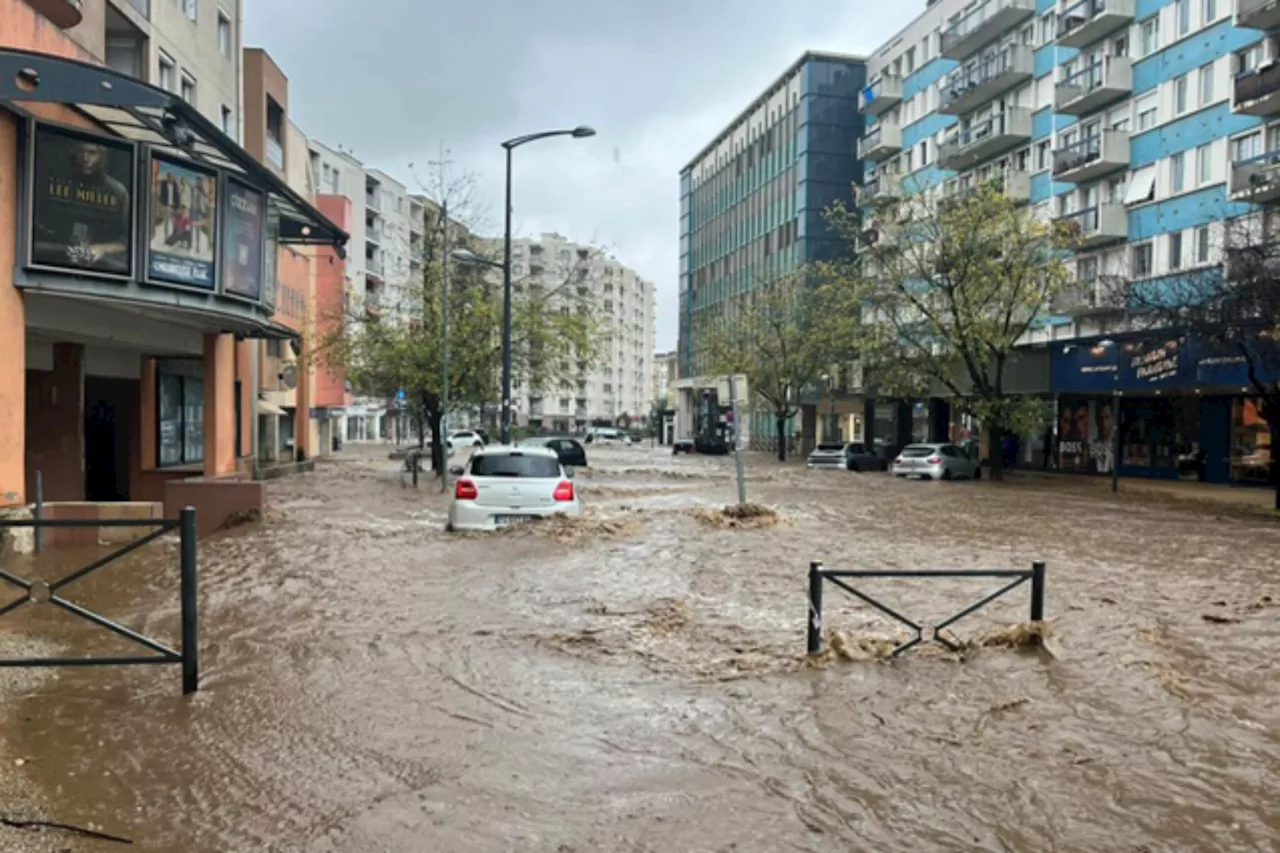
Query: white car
{"points": [[463, 438], [503, 485], [607, 435]]}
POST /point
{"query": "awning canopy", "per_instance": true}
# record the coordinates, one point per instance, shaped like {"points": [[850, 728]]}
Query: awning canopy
{"points": [[265, 408], [146, 114]]}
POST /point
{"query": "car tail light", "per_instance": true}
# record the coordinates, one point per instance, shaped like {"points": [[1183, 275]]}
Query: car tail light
{"points": [[564, 491], [898, 461], [466, 490], [934, 460]]}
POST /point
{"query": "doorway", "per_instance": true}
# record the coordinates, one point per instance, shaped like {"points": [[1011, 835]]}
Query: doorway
{"points": [[108, 426]]}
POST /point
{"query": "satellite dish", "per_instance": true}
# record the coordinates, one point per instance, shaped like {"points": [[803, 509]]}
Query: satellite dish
{"points": [[289, 376]]}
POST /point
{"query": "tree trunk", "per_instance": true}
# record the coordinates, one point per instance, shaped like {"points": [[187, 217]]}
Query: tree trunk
{"points": [[995, 456], [438, 459], [781, 424]]}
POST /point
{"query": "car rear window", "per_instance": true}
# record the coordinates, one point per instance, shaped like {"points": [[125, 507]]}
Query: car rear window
{"points": [[918, 450], [857, 448], [831, 448], [515, 465]]}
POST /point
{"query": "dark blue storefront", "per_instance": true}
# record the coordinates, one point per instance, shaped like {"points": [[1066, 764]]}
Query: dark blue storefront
{"points": [[1186, 411]]}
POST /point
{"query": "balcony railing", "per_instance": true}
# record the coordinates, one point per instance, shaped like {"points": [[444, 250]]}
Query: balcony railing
{"points": [[1095, 86], [883, 140], [373, 233], [142, 7], [1258, 14], [982, 25], [880, 95], [373, 200], [880, 187], [1257, 92], [1092, 157], [1107, 222], [967, 88], [1014, 184], [983, 140], [1086, 21], [373, 267], [1256, 179]]}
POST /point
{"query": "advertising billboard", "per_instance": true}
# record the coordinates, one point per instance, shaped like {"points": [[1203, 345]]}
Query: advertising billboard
{"points": [[182, 224], [244, 232]]}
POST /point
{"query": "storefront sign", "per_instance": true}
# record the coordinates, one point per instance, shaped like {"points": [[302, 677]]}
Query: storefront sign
{"points": [[243, 238], [1108, 366], [181, 224], [82, 203], [1150, 363]]}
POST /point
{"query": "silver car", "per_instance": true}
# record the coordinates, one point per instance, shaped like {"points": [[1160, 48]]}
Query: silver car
{"points": [[935, 462]]}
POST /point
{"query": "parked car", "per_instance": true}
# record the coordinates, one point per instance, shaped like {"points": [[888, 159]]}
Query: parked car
{"points": [[484, 435], [571, 453], [683, 445], [853, 456], [502, 486], [607, 435], [463, 438], [935, 462]]}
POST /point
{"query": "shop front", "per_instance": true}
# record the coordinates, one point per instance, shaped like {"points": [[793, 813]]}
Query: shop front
{"points": [[1184, 411]]}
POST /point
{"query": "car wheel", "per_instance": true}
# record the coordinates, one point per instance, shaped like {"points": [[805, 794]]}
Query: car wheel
{"points": [[977, 473], [448, 527], [946, 474]]}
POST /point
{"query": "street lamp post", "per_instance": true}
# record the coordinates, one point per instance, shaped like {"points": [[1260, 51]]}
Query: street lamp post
{"points": [[580, 132]]}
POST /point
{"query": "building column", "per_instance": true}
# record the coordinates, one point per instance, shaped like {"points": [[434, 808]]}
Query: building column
{"points": [[219, 404], [302, 448], [13, 333], [248, 399]]}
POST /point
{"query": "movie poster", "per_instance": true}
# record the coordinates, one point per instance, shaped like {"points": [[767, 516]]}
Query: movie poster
{"points": [[242, 242], [82, 209], [184, 204]]}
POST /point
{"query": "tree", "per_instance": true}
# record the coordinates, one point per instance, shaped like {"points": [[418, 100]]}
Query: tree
{"points": [[782, 337], [946, 289], [1228, 317], [399, 345]]}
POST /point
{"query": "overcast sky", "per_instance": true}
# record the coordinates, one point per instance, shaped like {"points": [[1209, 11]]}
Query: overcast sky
{"points": [[397, 80]]}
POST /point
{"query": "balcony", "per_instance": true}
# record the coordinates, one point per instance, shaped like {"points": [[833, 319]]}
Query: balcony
{"points": [[372, 233], [1086, 21], [1259, 261], [416, 256], [373, 200], [1258, 14], [1108, 222], [1256, 179], [1257, 92], [880, 187], [373, 268], [883, 140], [984, 140], [984, 24], [1102, 294], [1095, 87], [882, 95], [968, 88], [1015, 184], [1092, 157]]}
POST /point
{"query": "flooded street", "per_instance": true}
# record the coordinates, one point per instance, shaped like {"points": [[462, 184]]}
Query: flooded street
{"points": [[637, 681]]}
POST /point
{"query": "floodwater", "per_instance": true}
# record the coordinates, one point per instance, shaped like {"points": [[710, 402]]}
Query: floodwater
{"points": [[637, 681]]}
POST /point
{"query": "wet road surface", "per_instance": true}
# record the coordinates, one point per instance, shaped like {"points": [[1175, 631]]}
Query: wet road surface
{"points": [[637, 681]]}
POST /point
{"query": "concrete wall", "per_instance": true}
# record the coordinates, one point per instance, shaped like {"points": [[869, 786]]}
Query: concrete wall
{"points": [[193, 47], [55, 426]]}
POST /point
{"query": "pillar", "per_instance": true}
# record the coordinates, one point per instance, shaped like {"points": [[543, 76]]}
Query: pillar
{"points": [[219, 404], [13, 332], [248, 409], [302, 447], [901, 424], [869, 422]]}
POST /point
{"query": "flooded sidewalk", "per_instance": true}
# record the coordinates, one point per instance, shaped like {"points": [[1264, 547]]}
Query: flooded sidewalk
{"points": [[637, 680]]}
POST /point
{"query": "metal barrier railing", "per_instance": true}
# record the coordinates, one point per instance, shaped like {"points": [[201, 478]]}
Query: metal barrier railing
{"points": [[923, 633], [41, 592]]}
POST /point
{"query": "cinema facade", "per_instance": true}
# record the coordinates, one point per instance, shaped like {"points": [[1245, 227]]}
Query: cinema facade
{"points": [[138, 245]]}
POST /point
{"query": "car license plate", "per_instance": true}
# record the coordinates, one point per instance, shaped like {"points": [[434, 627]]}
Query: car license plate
{"points": [[507, 520]]}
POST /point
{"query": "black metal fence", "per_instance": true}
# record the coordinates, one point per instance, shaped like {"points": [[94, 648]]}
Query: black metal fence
{"points": [[923, 633], [41, 592]]}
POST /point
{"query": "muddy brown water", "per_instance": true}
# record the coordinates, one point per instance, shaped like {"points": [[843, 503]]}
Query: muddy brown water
{"points": [[373, 684]]}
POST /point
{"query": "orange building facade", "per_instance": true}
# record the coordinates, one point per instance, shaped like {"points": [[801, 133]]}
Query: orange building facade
{"points": [[144, 258]]}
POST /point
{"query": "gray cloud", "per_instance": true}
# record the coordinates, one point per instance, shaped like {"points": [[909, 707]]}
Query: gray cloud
{"points": [[394, 80]]}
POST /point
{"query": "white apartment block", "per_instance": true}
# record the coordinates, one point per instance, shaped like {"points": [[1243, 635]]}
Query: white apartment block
{"points": [[389, 225], [190, 47], [620, 383]]}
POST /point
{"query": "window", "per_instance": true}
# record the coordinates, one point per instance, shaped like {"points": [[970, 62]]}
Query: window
{"points": [[189, 9], [1204, 163], [1183, 12], [1180, 95], [1150, 36], [1177, 172], [1202, 245], [1175, 250], [1206, 84], [180, 437], [1042, 155], [1247, 147], [227, 126], [1209, 11], [924, 153], [1142, 257], [166, 72], [188, 88], [273, 348], [224, 33], [1147, 107], [1248, 59]]}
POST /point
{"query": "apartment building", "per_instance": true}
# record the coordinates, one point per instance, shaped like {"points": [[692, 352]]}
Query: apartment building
{"points": [[617, 389], [751, 205], [1149, 124]]}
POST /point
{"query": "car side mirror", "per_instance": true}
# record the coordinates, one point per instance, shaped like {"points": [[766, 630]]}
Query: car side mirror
{"points": [[457, 471], [568, 471]]}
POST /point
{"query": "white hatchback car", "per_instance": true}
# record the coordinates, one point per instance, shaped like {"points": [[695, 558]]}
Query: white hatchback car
{"points": [[503, 485], [463, 438]]}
